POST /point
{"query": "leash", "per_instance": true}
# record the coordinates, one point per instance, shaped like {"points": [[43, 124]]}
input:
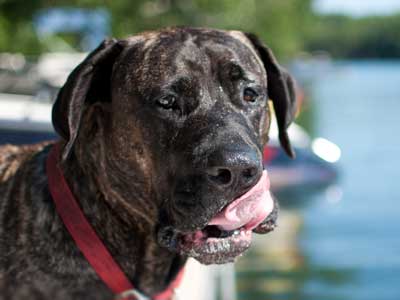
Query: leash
{"points": [[88, 241]]}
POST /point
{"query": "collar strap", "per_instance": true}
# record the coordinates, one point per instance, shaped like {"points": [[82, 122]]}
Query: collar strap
{"points": [[86, 238]]}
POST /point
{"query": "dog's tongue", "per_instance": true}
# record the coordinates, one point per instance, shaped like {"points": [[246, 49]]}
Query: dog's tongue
{"points": [[248, 210]]}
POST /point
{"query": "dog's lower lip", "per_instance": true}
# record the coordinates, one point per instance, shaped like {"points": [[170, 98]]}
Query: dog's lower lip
{"points": [[215, 250], [211, 244]]}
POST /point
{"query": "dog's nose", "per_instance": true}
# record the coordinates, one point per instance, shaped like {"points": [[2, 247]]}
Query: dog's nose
{"points": [[238, 168]]}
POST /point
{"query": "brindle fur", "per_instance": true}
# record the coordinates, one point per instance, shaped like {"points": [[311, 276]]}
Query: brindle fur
{"points": [[117, 162]]}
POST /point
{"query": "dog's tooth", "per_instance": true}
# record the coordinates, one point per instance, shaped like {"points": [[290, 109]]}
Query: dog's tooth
{"points": [[213, 250]]}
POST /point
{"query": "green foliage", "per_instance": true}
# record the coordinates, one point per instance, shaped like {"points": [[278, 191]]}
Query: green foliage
{"points": [[287, 26], [277, 22], [345, 37], [280, 23]]}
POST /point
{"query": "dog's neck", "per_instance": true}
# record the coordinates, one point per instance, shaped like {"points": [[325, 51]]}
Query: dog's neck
{"points": [[127, 232]]}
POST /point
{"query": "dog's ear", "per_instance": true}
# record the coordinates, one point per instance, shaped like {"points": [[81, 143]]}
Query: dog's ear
{"points": [[281, 90], [88, 83]]}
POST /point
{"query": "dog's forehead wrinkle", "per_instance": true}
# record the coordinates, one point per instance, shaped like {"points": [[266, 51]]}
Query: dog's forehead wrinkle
{"points": [[245, 41], [189, 53], [172, 56]]}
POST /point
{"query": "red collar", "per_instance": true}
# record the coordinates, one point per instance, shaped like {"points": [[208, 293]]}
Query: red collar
{"points": [[86, 238]]}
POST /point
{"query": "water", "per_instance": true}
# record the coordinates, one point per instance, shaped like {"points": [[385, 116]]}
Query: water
{"points": [[345, 244]]}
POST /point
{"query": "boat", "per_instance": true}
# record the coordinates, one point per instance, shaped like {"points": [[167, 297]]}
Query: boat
{"points": [[314, 169]]}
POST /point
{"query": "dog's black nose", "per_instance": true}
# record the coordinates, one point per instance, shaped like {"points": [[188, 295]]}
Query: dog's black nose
{"points": [[237, 168]]}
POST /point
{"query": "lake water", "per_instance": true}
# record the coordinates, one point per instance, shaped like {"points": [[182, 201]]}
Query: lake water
{"points": [[345, 243]]}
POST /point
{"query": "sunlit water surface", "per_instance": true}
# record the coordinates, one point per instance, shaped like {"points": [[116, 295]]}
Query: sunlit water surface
{"points": [[344, 243]]}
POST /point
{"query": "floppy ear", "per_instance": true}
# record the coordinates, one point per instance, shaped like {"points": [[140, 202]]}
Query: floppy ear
{"points": [[281, 90], [88, 83]]}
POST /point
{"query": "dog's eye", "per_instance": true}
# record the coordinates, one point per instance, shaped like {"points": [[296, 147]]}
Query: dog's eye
{"points": [[249, 95], [167, 102]]}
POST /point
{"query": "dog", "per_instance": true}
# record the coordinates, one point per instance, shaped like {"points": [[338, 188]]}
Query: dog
{"points": [[161, 138]]}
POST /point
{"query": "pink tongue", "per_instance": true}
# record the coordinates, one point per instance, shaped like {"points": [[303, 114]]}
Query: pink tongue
{"points": [[249, 210]]}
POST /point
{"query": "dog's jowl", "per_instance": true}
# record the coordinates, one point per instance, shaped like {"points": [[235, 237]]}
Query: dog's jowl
{"points": [[161, 141]]}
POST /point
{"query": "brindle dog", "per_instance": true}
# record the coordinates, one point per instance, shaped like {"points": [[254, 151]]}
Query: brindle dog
{"points": [[159, 132]]}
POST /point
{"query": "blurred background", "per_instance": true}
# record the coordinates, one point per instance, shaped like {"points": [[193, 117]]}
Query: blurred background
{"points": [[338, 234]]}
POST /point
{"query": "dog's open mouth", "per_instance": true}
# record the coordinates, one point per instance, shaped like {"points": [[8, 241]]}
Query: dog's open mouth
{"points": [[228, 234]]}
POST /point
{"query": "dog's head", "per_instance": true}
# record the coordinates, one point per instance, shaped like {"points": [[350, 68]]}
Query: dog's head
{"points": [[183, 117]]}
